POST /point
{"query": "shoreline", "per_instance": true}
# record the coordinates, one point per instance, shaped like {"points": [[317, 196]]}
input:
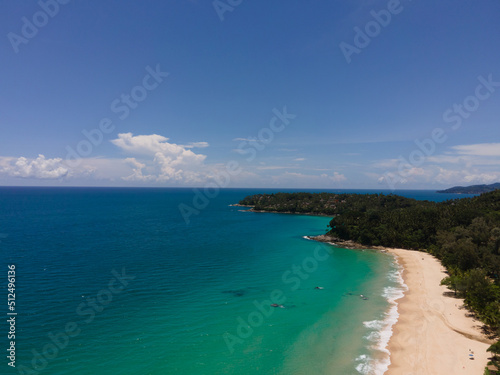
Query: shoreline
{"points": [[251, 209], [434, 333], [345, 244]]}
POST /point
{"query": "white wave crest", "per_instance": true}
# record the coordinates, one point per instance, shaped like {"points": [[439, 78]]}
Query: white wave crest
{"points": [[381, 330]]}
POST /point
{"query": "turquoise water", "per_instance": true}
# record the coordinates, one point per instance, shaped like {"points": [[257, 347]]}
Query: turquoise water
{"points": [[113, 281]]}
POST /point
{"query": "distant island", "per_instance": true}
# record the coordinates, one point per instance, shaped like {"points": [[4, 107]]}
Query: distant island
{"points": [[474, 189]]}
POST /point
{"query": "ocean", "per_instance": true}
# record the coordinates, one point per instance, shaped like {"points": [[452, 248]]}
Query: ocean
{"points": [[117, 281]]}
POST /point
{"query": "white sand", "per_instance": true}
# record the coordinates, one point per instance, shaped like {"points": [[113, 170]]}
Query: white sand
{"points": [[433, 335]]}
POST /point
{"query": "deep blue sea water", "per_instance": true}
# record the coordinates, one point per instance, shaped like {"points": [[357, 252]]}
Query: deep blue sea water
{"points": [[115, 281]]}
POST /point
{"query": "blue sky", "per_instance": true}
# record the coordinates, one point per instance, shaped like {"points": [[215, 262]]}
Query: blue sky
{"points": [[203, 82]]}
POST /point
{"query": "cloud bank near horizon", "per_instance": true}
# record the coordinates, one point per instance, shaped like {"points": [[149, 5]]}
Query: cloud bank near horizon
{"points": [[155, 160]]}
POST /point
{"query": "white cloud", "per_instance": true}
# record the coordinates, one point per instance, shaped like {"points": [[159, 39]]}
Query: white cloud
{"points": [[459, 165], [40, 167], [386, 163], [413, 172], [272, 167], [152, 144], [299, 159], [437, 175], [448, 159], [483, 178], [302, 179], [240, 151], [155, 160], [196, 145], [137, 174], [480, 149], [469, 156], [461, 176], [171, 162], [337, 177], [112, 169]]}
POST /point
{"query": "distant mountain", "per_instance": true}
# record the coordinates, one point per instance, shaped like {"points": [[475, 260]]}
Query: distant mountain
{"points": [[474, 189]]}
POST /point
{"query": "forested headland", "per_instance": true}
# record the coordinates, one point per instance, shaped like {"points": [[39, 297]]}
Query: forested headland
{"points": [[463, 233], [474, 189]]}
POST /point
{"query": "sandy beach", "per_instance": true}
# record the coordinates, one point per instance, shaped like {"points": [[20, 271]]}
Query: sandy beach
{"points": [[433, 335]]}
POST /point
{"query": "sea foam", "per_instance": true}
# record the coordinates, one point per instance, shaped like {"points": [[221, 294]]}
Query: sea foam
{"points": [[381, 330]]}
